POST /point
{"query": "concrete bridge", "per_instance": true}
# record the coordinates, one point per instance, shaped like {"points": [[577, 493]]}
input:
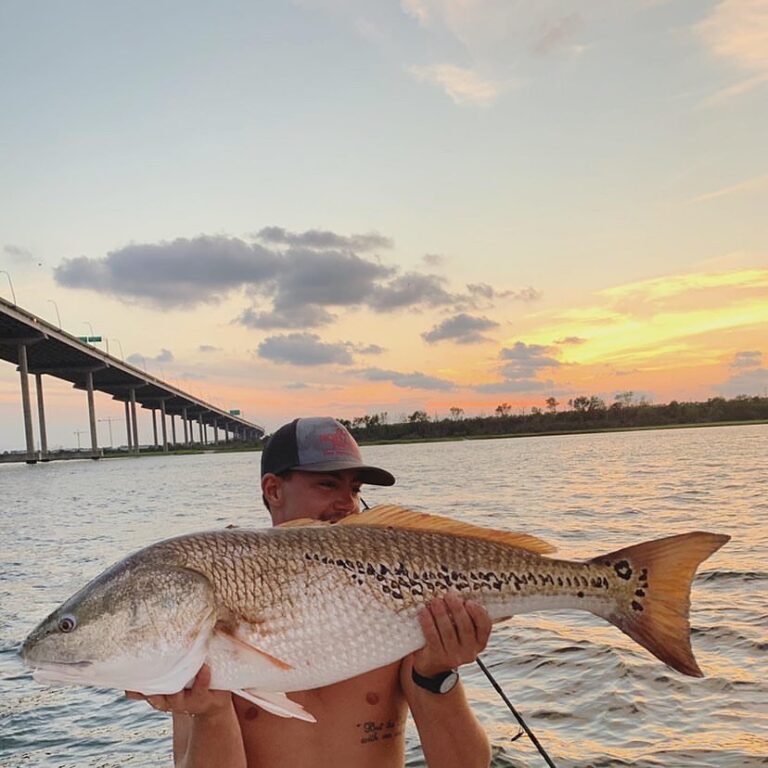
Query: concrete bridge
{"points": [[38, 348]]}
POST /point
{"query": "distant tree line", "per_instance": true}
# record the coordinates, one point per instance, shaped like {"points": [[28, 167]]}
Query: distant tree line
{"points": [[585, 412]]}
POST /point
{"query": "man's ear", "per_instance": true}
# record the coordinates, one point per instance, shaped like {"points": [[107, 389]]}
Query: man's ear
{"points": [[272, 487]]}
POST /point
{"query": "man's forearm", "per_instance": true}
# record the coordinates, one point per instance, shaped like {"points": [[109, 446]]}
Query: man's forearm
{"points": [[202, 741], [450, 734]]}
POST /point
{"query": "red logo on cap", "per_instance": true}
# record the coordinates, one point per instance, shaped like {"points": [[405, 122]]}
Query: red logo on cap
{"points": [[338, 443]]}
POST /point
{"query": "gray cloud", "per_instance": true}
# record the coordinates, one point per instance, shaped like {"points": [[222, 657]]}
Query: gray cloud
{"points": [[327, 278], [748, 382], [208, 348], [414, 380], [181, 273], [461, 328], [750, 379], [300, 316], [570, 340], [164, 356], [488, 292], [293, 279], [747, 359], [410, 289], [17, 253], [433, 259], [520, 369], [304, 349], [322, 239], [369, 349]]}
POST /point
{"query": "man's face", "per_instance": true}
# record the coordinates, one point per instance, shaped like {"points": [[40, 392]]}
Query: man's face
{"points": [[327, 496]]}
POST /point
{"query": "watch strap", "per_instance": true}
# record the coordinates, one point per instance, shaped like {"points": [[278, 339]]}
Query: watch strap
{"points": [[442, 682]]}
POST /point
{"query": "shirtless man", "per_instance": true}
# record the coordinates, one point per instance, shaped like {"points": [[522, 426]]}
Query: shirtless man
{"points": [[312, 468]]}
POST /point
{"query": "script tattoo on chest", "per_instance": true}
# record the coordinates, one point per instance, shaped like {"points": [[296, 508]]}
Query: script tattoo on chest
{"points": [[372, 731]]}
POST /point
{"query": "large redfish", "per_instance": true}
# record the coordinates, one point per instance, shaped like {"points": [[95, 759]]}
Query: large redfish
{"points": [[308, 604]]}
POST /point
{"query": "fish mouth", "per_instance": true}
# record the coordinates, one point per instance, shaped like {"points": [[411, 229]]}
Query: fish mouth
{"points": [[58, 672]]}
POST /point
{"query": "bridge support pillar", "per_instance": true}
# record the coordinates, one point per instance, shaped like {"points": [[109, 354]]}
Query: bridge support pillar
{"points": [[200, 427], [26, 405], [91, 412], [134, 423], [154, 425], [128, 426], [184, 421], [173, 429], [164, 426], [41, 416], [215, 432]]}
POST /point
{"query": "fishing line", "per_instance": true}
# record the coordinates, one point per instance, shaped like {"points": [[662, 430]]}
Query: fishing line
{"points": [[500, 691], [518, 716]]}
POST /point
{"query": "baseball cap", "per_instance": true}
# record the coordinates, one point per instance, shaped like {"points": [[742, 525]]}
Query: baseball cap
{"points": [[318, 444]]}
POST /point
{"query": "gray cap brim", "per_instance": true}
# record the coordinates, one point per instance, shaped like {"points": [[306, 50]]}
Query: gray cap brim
{"points": [[367, 474]]}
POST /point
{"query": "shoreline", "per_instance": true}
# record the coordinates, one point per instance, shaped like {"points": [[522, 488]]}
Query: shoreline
{"points": [[507, 435], [560, 433]]}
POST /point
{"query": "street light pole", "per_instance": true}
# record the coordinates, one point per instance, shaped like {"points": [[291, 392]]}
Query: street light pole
{"points": [[109, 421], [51, 301], [85, 322], [121, 348], [10, 282]]}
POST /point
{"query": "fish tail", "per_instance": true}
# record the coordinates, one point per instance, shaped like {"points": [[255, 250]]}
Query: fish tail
{"points": [[657, 598]]}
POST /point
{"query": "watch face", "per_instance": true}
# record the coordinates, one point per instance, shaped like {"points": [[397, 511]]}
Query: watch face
{"points": [[450, 681]]}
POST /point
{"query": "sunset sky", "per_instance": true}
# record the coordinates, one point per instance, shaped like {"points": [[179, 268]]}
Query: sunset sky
{"points": [[353, 206]]}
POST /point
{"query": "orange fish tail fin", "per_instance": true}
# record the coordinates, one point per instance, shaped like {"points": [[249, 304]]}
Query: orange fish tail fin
{"points": [[659, 576]]}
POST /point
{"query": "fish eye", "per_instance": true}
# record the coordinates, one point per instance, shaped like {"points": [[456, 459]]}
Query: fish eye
{"points": [[67, 623]]}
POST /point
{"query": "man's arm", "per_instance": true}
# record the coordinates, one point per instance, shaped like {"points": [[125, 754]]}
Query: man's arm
{"points": [[206, 730], [456, 632]]}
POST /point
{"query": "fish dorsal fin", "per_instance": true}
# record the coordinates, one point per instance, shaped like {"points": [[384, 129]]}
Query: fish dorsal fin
{"points": [[391, 516], [303, 522]]}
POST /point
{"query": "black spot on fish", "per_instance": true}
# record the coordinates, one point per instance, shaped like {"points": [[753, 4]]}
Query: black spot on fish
{"points": [[370, 570], [607, 563], [596, 581], [559, 581], [640, 592], [637, 605], [623, 570], [579, 594]]}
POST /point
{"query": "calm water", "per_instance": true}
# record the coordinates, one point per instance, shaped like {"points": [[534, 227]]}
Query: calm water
{"points": [[592, 696]]}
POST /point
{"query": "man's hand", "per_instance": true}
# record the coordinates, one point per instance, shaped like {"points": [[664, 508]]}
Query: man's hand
{"points": [[456, 633], [197, 700]]}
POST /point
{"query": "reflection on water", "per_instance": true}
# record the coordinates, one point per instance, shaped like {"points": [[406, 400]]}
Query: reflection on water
{"points": [[593, 697]]}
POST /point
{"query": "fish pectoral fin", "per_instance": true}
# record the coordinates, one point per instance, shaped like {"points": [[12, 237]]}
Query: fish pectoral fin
{"points": [[391, 516], [239, 647], [276, 703]]}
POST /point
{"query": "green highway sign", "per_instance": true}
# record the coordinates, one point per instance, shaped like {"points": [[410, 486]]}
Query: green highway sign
{"points": [[235, 412], [88, 339]]}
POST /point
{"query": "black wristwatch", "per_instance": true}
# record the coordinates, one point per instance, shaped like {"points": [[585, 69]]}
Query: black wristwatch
{"points": [[442, 682]]}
